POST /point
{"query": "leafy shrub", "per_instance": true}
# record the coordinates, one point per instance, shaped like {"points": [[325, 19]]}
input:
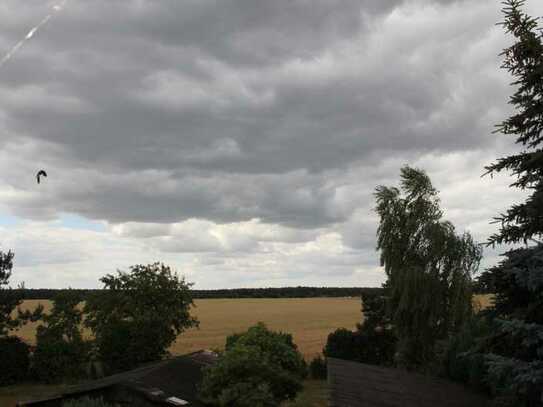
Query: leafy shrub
{"points": [[258, 368], [15, 360], [56, 359], [368, 345], [279, 346], [462, 360], [342, 344], [245, 377], [87, 402], [377, 346], [317, 368], [374, 340]]}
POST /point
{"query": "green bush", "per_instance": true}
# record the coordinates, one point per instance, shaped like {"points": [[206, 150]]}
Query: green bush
{"points": [[56, 359], [15, 360], [279, 346], [342, 344], [373, 345], [463, 361], [373, 342], [317, 368], [87, 402], [259, 368]]}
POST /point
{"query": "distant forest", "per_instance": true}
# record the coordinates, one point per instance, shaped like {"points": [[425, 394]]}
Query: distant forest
{"points": [[283, 292]]}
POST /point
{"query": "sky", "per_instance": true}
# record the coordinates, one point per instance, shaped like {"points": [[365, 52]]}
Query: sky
{"points": [[240, 141]]}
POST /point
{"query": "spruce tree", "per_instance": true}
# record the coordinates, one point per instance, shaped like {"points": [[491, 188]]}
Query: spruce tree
{"points": [[524, 61], [514, 350]]}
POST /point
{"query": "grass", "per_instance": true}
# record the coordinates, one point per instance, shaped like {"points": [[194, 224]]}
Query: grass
{"points": [[9, 395]]}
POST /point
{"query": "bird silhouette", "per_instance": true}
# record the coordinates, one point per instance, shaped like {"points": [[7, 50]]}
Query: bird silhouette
{"points": [[40, 174]]}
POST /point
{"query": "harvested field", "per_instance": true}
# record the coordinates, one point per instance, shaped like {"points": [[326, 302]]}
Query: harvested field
{"points": [[310, 320]]}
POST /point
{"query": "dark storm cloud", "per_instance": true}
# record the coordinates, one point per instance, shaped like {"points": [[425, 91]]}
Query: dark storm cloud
{"points": [[239, 109]]}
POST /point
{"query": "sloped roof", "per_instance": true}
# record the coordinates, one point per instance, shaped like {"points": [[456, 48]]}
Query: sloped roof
{"points": [[178, 377], [175, 377], [355, 384]]}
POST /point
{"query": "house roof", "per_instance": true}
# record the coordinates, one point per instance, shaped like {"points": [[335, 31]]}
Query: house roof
{"points": [[175, 377], [178, 377], [358, 384]]}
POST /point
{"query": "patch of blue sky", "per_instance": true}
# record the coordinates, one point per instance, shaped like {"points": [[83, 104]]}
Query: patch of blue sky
{"points": [[9, 220], [78, 222]]}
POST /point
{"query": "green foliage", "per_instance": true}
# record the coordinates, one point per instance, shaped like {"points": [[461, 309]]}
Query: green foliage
{"points": [[87, 402], [267, 292], [463, 360], [429, 267], [139, 314], [342, 344], [14, 354], [64, 320], [278, 345], [373, 346], [317, 368], [513, 350], [514, 361], [10, 299], [57, 360], [510, 351], [373, 342], [518, 284], [60, 349], [258, 368], [506, 356], [524, 61], [377, 338], [15, 360]]}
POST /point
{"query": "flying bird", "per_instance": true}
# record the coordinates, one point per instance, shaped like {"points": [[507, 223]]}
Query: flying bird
{"points": [[40, 174]]}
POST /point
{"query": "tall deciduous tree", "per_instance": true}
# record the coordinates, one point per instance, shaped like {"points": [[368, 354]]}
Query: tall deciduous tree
{"points": [[61, 350], [429, 267], [139, 314]]}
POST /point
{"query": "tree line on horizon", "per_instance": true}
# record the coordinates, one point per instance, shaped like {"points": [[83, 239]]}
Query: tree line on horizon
{"points": [[225, 293]]}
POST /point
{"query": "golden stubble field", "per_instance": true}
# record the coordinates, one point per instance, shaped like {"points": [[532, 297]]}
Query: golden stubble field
{"points": [[309, 320]]}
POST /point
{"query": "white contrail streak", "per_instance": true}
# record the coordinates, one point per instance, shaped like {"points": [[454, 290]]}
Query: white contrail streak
{"points": [[12, 51]]}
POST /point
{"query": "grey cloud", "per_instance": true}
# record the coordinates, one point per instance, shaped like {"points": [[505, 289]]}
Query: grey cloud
{"points": [[151, 114]]}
